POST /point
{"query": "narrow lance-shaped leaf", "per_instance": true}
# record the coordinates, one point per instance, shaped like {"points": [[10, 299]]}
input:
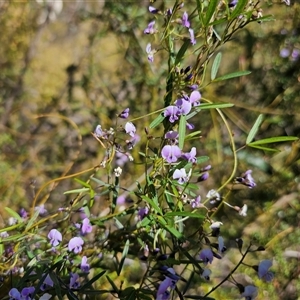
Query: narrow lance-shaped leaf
{"points": [[182, 130], [215, 66], [210, 10], [232, 75], [124, 254], [182, 51], [238, 8], [275, 139], [255, 128], [157, 121]]}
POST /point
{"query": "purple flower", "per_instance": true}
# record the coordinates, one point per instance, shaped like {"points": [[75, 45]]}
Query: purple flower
{"points": [[86, 226], [181, 176], [150, 28], [232, 3], [173, 136], [153, 10], [74, 284], [41, 209], [183, 105], [250, 292], [171, 153], [263, 270], [295, 54], [23, 213], [190, 156], [203, 177], [48, 282], [99, 132], [84, 266], [124, 114], [206, 256], [75, 244], [167, 284], [192, 35], [27, 292], [14, 294], [190, 126], [206, 274], [130, 129], [172, 112], [143, 212], [196, 202], [284, 53], [185, 20], [195, 98], [150, 53], [246, 179], [55, 237]]}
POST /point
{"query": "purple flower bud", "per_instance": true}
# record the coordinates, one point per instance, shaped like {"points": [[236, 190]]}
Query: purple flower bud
{"points": [[84, 266], [153, 10], [124, 114], [196, 202], [86, 226], [143, 212], [233, 3], [246, 179], [185, 20], [192, 35], [74, 284], [203, 177], [150, 53], [48, 282], [250, 292]]}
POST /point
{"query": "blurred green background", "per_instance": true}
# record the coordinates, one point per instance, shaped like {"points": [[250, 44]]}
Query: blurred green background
{"points": [[67, 66]]}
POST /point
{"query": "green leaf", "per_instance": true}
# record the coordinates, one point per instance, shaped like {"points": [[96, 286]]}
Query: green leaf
{"points": [[115, 289], [184, 214], [264, 148], [182, 130], [276, 139], [89, 284], [77, 191], [32, 219], [210, 11], [232, 75], [100, 181], [152, 204], [255, 128], [157, 121], [14, 214], [216, 105], [124, 254], [83, 183], [238, 9], [199, 9], [215, 66], [202, 159], [182, 51]]}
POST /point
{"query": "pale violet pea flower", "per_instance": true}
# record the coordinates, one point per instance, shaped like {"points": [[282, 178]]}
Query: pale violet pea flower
{"points": [[196, 202], [171, 153], [74, 284], [86, 226], [263, 270], [183, 105], [206, 255], [150, 28], [243, 210], [195, 98], [206, 274], [124, 114], [173, 136], [84, 266], [250, 292], [181, 175], [185, 20], [167, 285], [246, 179], [192, 35], [190, 156], [150, 53], [172, 112], [46, 296], [55, 237], [75, 244], [130, 129]]}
